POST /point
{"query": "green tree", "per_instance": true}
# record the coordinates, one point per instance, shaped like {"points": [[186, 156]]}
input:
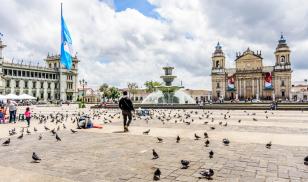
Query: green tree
{"points": [[113, 93], [132, 88], [104, 89], [151, 86]]}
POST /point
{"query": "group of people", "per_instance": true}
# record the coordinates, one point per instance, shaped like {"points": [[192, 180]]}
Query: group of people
{"points": [[125, 105], [11, 106]]}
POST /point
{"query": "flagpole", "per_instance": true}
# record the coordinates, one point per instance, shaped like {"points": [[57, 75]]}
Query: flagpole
{"points": [[60, 64], [61, 23]]}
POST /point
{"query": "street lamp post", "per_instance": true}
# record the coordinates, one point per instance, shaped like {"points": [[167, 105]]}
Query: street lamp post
{"points": [[83, 83]]}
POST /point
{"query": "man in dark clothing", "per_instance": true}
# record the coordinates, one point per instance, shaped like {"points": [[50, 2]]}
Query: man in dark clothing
{"points": [[127, 107]]}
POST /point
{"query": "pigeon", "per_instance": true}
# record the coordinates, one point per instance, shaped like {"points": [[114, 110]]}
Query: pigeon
{"points": [[53, 131], [146, 132], [185, 164], [35, 130], [208, 173], [254, 119], [206, 135], [212, 127], [157, 174], [211, 153], [35, 158], [225, 141], [73, 131], [178, 139], [268, 145], [57, 137], [197, 137], [7, 142], [40, 137], [155, 155], [239, 120], [207, 142], [64, 127], [46, 128], [21, 136], [306, 160], [160, 140]]}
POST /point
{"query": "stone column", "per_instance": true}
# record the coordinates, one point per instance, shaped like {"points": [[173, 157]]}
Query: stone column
{"points": [[237, 89], [38, 94], [45, 90], [244, 89], [21, 86], [253, 87], [240, 87], [30, 85], [257, 95], [52, 90], [12, 84]]}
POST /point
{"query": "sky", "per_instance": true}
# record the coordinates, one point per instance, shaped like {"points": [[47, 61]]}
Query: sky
{"points": [[122, 41]]}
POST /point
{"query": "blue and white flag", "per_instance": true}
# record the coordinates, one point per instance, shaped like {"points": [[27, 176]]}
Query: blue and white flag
{"points": [[66, 45]]}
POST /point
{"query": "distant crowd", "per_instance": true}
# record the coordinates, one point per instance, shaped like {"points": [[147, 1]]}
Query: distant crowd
{"points": [[8, 112]]}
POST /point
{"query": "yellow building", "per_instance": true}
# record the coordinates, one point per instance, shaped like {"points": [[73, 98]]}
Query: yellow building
{"points": [[250, 79]]}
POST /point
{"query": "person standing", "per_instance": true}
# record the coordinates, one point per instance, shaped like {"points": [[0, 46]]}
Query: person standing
{"points": [[127, 107], [12, 109], [28, 116]]}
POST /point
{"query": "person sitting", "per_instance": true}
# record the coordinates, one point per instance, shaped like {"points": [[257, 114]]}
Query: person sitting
{"points": [[84, 122]]}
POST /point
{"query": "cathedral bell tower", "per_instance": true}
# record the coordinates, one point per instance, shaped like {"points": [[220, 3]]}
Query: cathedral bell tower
{"points": [[218, 74], [282, 54], [218, 58], [282, 70]]}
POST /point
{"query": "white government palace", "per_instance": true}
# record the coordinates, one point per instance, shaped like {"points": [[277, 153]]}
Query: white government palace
{"points": [[50, 82]]}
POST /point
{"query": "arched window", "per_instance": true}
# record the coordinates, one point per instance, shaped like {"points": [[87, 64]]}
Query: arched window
{"points": [[217, 64], [282, 59], [55, 65], [282, 83]]}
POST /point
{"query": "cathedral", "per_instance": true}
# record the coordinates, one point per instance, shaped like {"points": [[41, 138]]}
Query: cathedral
{"points": [[250, 79]]}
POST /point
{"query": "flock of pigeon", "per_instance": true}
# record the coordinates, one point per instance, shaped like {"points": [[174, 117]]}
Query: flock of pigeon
{"points": [[59, 122], [186, 117], [164, 116]]}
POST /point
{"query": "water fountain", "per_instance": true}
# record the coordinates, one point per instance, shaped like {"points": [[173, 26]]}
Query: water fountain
{"points": [[168, 93]]}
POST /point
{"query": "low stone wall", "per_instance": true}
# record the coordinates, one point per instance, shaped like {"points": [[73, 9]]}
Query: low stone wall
{"points": [[231, 106]]}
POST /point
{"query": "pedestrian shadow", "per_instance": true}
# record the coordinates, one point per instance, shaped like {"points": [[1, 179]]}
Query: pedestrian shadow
{"points": [[119, 132]]}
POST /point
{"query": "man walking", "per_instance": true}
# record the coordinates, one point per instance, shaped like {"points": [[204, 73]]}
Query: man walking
{"points": [[127, 107]]}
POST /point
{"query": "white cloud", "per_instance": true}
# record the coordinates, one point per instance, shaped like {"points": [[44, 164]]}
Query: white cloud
{"points": [[122, 47]]}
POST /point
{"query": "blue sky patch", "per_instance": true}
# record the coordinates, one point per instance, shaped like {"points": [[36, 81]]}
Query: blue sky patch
{"points": [[143, 6]]}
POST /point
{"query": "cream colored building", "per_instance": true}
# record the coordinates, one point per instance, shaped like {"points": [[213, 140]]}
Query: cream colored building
{"points": [[90, 95], [299, 91], [250, 79], [47, 82]]}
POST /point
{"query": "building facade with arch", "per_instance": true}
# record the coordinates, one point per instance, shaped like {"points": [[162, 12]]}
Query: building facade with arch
{"points": [[47, 83], [250, 79]]}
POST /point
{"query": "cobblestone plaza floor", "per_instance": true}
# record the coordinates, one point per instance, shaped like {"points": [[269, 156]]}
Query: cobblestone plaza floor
{"points": [[108, 154]]}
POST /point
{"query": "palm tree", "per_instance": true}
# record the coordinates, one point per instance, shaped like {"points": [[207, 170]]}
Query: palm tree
{"points": [[132, 88], [151, 86]]}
